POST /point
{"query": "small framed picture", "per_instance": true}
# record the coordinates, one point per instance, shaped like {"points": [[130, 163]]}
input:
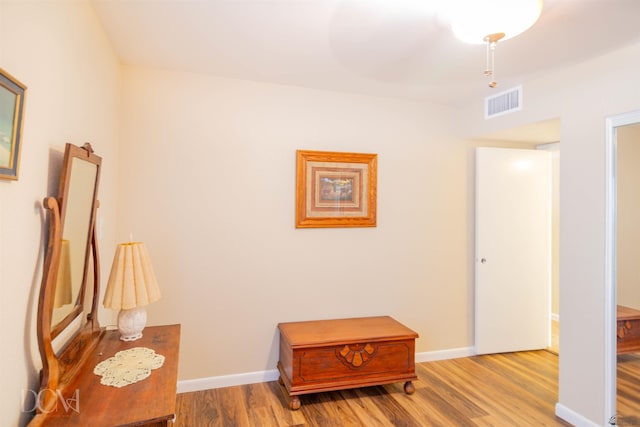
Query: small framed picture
{"points": [[335, 189], [12, 94]]}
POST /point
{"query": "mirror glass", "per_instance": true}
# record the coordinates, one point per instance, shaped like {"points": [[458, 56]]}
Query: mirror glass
{"points": [[622, 340], [77, 195], [627, 254]]}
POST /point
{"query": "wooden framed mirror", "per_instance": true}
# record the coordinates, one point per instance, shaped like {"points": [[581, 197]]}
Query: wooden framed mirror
{"points": [[72, 342], [71, 257]]}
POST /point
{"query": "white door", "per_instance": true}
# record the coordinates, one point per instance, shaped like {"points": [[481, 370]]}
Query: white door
{"points": [[513, 250]]}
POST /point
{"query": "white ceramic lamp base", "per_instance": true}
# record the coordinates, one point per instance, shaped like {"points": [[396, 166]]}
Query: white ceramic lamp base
{"points": [[131, 322]]}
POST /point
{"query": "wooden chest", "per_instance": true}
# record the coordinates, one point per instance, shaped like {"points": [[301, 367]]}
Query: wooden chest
{"points": [[325, 355]]}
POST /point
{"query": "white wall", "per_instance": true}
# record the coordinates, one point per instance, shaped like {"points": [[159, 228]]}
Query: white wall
{"points": [[582, 97], [628, 212], [58, 50], [208, 181]]}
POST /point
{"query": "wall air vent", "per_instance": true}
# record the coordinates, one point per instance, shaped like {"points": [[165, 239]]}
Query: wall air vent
{"points": [[503, 103]]}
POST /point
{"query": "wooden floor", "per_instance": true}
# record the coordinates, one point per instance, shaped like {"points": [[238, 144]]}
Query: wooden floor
{"points": [[513, 389], [628, 382]]}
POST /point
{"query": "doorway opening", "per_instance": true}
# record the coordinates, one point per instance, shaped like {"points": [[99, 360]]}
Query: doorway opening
{"points": [[539, 136]]}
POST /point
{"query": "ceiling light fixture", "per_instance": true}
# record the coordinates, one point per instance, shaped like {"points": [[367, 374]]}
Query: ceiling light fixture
{"points": [[490, 21]]}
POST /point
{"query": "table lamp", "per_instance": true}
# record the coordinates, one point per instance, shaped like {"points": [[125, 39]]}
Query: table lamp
{"points": [[132, 285]]}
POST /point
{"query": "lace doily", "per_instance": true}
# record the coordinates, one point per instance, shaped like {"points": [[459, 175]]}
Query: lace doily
{"points": [[128, 366]]}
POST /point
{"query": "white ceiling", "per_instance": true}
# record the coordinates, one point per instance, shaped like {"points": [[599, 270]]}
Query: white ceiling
{"points": [[400, 48]]}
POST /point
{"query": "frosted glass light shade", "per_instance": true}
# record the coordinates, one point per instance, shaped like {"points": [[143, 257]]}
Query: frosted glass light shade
{"points": [[473, 20]]}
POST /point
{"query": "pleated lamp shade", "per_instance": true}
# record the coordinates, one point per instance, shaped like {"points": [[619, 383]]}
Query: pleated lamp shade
{"points": [[63, 281], [132, 286]]}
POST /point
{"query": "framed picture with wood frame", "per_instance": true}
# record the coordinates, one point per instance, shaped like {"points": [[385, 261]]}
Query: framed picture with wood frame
{"points": [[12, 94], [335, 189]]}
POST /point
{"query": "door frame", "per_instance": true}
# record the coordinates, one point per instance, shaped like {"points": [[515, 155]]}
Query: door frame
{"points": [[610, 297]]}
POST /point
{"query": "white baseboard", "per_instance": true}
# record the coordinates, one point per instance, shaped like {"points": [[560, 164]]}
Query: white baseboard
{"points": [[573, 417], [454, 353], [198, 384]]}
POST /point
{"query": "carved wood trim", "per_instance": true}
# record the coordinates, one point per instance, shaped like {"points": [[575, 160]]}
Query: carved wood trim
{"points": [[59, 368], [50, 368], [355, 356]]}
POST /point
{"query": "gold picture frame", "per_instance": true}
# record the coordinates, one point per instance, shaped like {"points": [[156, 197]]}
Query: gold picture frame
{"points": [[12, 94], [335, 189]]}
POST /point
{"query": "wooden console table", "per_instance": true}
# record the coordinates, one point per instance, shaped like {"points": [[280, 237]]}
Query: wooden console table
{"points": [[150, 402], [325, 355]]}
